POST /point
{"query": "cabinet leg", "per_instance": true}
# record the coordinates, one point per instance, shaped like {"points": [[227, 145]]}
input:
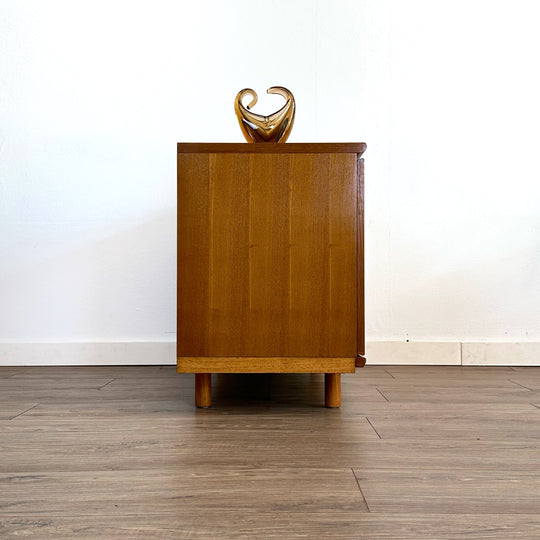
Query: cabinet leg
{"points": [[203, 389], [332, 389]]}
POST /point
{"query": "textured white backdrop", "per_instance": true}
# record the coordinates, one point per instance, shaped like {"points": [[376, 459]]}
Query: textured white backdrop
{"points": [[95, 95]]}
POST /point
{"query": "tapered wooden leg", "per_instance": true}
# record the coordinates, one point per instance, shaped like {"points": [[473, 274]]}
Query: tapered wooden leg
{"points": [[203, 389], [332, 389]]}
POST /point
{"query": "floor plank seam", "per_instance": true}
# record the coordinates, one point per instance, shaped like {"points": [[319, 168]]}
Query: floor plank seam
{"points": [[24, 412], [522, 386], [361, 492], [369, 422], [386, 371], [383, 395], [534, 405], [101, 387]]}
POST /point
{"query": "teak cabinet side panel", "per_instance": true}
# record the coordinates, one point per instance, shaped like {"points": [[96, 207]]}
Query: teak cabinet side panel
{"points": [[228, 276], [193, 245], [267, 257], [322, 315]]}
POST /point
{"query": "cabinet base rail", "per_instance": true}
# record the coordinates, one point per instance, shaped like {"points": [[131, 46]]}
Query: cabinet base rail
{"points": [[204, 366], [264, 364]]}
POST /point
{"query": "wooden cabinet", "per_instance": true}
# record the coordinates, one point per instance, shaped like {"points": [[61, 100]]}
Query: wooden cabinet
{"points": [[270, 260]]}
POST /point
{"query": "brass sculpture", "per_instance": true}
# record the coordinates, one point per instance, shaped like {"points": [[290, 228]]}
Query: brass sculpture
{"points": [[258, 128]]}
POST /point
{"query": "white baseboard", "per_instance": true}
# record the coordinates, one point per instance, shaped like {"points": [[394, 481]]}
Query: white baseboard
{"points": [[164, 353], [83, 354], [501, 354], [433, 353]]}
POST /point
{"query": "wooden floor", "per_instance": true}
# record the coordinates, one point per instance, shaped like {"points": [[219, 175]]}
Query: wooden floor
{"points": [[414, 453]]}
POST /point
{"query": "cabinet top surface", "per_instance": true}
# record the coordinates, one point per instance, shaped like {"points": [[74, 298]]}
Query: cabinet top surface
{"points": [[272, 148]]}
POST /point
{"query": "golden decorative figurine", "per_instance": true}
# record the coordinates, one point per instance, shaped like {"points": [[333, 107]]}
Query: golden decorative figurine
{"points": [[258, 128]]}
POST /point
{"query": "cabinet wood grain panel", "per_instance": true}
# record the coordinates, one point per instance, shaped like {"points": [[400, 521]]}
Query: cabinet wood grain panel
{"points": [[344, 270], [269, 262], [193, 235], [309, 253], [228, 271], [266, 255]]}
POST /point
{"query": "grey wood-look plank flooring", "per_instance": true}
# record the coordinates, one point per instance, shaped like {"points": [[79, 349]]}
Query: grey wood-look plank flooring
{"points": [[415, 452]]}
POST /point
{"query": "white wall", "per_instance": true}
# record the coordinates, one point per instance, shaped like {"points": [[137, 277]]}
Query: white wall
{"points": [[453, 177], [95, 95]]}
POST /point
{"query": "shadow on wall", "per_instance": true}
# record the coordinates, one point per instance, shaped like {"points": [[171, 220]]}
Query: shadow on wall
{"points": [[121, 287]]}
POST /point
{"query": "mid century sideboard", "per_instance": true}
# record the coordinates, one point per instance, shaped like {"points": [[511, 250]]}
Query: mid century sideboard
{"points": [[270, 261]]}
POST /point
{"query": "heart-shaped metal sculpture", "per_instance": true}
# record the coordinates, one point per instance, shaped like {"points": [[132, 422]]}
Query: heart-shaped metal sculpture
{"points": [[258, 128]]}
